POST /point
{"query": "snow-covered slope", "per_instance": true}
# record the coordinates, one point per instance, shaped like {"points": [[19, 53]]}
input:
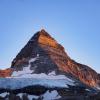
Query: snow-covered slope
{"points": [[27, 77], [17, 83]]}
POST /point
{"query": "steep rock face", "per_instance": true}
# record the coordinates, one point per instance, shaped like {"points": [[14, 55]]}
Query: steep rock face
{"points": [[52, 57]]}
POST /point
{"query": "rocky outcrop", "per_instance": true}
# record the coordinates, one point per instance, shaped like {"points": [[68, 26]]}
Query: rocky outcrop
{"points": [[6, 72]]}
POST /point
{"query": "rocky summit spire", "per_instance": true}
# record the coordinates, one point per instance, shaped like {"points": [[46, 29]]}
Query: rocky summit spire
{"points": [[40, 33], [43, 54]]}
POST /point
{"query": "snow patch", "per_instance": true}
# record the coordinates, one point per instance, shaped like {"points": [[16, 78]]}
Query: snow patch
{"points": [[26, 70], [20, 95], [52, 73], [4, 94], [32, 97], [87, 89], [51, 95]]}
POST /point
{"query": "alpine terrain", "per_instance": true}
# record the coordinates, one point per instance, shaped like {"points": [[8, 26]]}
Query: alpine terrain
{"points": [[42, 70]]}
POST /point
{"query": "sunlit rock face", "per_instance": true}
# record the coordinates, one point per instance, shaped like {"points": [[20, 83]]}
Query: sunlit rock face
{"points": [[51, 56], [6, 72]]}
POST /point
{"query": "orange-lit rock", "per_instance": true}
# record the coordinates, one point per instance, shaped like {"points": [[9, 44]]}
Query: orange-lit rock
{"points": [[6, 72]]}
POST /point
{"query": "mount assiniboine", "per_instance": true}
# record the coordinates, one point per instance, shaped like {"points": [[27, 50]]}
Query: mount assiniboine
{"points": [[42, 70]]}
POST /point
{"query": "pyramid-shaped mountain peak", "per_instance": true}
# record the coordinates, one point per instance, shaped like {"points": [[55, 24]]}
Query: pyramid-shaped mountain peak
{"points": [[43, 71], [39, 43], [50, 56], [43, 37], [43, 32]]}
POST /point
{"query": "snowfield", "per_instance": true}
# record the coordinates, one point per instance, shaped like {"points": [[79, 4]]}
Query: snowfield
{"points": [[17, 83]]}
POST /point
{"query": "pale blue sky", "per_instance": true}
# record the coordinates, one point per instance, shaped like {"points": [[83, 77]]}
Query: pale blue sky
{"points": [[73, 23]]}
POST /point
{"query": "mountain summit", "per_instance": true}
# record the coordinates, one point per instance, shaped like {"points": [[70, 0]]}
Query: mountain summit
{"points": [[51, 56], [38, 44], [42, 70]]}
